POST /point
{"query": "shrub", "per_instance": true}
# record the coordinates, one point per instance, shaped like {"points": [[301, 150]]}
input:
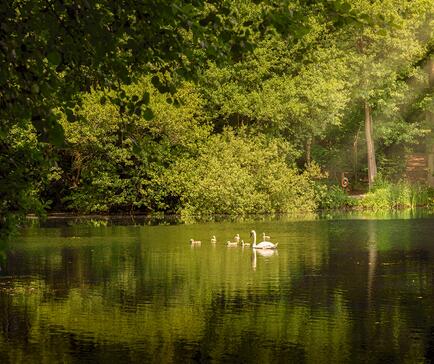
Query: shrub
{"points": [[239, 175], [334, 197], [386, 196]]}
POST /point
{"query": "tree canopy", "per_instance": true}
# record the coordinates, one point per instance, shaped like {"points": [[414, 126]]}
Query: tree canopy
{"points": [[123, 106]]}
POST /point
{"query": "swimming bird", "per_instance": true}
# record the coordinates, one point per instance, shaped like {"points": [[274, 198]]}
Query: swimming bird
{"points": [[244, 244], [265, 237], [213, 239], [237, 238], [196, 242], [262, 244], [231, 243]]}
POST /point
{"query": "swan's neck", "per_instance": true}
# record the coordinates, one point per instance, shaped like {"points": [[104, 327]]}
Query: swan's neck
{"points": [[254, 239]]}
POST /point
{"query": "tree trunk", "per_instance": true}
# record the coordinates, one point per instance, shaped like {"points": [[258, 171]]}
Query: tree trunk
{"points": [[372, 165], [308, 150], [355, 155], [430, 114]]}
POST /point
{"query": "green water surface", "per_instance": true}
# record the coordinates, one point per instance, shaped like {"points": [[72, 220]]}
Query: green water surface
{"points": [[352, 290]]}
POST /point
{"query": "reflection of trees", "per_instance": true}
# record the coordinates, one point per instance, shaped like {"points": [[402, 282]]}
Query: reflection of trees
{"points": [[338, 291], [3, 257], [372, 257]]}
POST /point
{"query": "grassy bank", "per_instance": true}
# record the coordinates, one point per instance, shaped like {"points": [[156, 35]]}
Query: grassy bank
{"points": [[384, 196]]}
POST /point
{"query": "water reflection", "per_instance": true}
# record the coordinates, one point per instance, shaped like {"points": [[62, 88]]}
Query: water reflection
{"points": [[372, 256], [266, 253], [334, 291]]}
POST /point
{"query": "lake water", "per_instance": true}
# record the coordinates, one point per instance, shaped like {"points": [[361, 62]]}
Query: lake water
{"points": [[353, 290]]}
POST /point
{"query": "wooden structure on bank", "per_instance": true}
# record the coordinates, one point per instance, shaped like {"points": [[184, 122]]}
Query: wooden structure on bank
{"points": [[420, 168]]}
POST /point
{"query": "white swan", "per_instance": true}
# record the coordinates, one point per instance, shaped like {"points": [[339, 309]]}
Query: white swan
{"points": [[262, 244], [213, 239], [265, 237], [237, 238]]}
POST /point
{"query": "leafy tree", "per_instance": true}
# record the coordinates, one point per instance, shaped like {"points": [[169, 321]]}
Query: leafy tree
{"points": [[53, 50], [241, 174], [288, 72], [381, 54], [292, 88], [113, 161]]}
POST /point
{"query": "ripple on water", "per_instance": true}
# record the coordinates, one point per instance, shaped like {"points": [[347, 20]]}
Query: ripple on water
{"points": [[143, 295]]}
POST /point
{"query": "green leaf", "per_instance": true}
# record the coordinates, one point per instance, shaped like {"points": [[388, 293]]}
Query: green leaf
{"points": [[136, 149], [155, 80], [56, 134], [146, 97], [148, 114], [70, 115], [54, 58], [345, 8], [35, 88]]}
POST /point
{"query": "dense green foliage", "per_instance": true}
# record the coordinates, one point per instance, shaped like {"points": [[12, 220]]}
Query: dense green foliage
{"points": [[173, 162], [204, 108]]}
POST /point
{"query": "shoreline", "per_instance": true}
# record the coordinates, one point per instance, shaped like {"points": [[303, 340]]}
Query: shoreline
{"points": [[159, 218]]}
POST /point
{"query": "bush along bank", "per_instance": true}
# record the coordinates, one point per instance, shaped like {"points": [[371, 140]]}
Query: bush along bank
{"points": [[384, 196]]}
